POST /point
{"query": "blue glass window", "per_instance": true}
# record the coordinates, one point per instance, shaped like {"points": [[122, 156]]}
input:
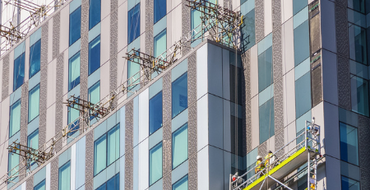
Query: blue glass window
{"points": [[40, 186], [155, 113], [94, 96], [73, 114], [360, 95], [348, 144], [160, 45], [195, 23], [33, 141], [350, 184], [106, 149], [94, 55], [15, 118], [357, 44], [65, 177], [298, 5], [358, 5], [13, 164], [111, 184], [266, 119], [134, 23], [265, 75], [94, 13], [159, 9], [179, 146], [33, 103], [155, 163], [74, 71], [302, 95], [18, 72], [74, 26], [179, 94], [35, 55], [182, 184], [301, 43]]}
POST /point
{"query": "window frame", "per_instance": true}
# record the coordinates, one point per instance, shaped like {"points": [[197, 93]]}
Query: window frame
{"points": [[156, 38], [178, 131], [30, 58], [35, 88], [106, 137], [155, 96], [341, 181], [187, 94], [340, 144], [94, 12], [42, 183], [18, 103], [72, 41], [180, 180], [160, 144], [90, 71], [21, 70], [130, 14], [64, 166], [75, 82]]}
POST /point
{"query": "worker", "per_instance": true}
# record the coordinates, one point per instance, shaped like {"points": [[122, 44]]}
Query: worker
{"points": [[269, 160], [260, 166]]}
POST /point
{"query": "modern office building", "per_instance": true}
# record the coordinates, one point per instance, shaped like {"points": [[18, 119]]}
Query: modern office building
{"points": [[204, 117]]}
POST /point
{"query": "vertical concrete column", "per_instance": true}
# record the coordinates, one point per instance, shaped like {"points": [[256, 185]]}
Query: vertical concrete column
{"points": [[29, 183], [129, 151], [278, 75], [84, 52], [113, 47], [89, 162], [192, 122], [341, 28], [149, 20], [54, 173], [59, 98], [43, 82], [246, 61], [364, 145], [167, 132], [5, 74], [186, 21], [56, 34], [259, 16], [24, 123]]}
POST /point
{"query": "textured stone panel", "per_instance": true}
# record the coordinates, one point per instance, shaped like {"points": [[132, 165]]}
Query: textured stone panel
{"points": [[341, 27], [276, 15], [344, 83], [24, 123], [149, 20], [113, 47], [89, 162], [246, 60], [5, 74], [56, 34], [59, 98], [167, 115], [29, 183], [54, 173], [278, 86], [167, 131], [192, 79], [43, 83], [129, 156], [84, 52], [279, 142], [193, 172], [364, 147], [185, 24], [259, 16]]}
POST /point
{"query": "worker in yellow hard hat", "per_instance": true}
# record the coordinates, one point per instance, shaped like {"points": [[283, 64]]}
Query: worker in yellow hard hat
{"points": [[260, 166]]}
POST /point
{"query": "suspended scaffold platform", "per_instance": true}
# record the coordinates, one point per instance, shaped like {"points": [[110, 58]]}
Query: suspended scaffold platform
{"points": [[306, 151]]}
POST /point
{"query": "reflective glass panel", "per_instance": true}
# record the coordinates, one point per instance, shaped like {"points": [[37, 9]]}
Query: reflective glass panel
{"points": [[182, 184], [74, 71], [94, 54], [302, 95], [266, 120], [133, 23], [40, 186], [65, 177], [94, 13], [33, 103], [15, 118], [180, 146], [265, 75], [74, 26], [100, 154], [179, 94], [18, 72], [113, 183], [301, 42], [159, 9], [160, 45], [349, 184], [348, 144], [35, 54], [113, 145], [360, 95], [155, 163], [357, 44], [155, 113]]}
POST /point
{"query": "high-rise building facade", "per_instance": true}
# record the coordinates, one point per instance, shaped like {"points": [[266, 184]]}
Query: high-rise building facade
{"points": [[79, 111]]}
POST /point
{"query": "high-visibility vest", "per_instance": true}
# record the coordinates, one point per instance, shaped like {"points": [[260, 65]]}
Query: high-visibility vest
{"points": [[259, 165], [267, 158]]}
